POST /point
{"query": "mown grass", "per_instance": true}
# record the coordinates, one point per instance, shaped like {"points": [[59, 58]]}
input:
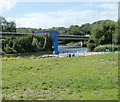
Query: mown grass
{"points": [[76, 78]]}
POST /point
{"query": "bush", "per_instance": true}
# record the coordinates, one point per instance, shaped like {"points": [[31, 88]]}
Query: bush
{"points": [[7, 45], [23, 44], [76, 43], [9, 50], [41, 41], [26, 44], [36, 45], [106, 48], [90, 46]]}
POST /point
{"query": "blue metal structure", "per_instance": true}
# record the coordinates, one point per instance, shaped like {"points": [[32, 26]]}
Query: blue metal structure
{"points": [[54, 35]]}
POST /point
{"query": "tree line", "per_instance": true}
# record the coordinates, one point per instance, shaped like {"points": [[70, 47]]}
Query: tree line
{"points": [[102, 32]]}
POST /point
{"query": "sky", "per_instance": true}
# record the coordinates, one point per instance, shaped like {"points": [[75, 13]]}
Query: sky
{"points": [[62, 13]]}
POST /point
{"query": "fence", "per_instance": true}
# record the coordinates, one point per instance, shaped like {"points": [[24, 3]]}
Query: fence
{"points": [[82, 53], [85, 53]]}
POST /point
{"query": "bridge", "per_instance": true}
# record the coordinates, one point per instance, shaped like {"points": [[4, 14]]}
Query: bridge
{"points": [[3, 35]]}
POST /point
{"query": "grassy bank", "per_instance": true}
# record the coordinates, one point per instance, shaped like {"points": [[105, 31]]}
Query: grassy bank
{"points": [[76, 78], [28, 54]]}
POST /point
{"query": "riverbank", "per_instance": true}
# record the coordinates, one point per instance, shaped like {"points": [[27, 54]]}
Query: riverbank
{"points": [[78, 54], [61, 49], [76, 78], [36, 54]]}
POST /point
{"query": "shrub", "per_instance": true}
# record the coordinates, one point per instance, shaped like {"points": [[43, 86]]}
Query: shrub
{"points": [[39, 41], [9, 50], [90, 46], [9, 40], [75, 43], [106, 48], [7, 44], [23, 44], [36, 45], [26, 44]]}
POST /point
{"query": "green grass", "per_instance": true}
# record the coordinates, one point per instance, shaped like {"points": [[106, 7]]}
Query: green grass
{"points": [[76, 78]]}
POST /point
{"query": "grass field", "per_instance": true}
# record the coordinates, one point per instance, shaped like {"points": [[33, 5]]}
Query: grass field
{"points": [[76, 78]]}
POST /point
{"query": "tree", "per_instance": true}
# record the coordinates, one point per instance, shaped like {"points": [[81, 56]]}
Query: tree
{"points": [[85, 29], [26, 30], [117, 33], [103, 32], [74, 30], [7, 26], [61, 30]]}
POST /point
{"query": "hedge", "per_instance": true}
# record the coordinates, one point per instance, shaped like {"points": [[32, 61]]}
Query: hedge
{"points": [[26, 44]]}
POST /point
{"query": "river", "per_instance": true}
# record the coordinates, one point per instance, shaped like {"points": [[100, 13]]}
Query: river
{"points": [[71, 49]]}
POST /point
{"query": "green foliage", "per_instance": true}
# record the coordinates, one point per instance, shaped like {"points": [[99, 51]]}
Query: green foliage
{"points": [[62, 30], [7, 26], [49, 44], [8, 43], [75, 44], [74, 30], [90, 46], [85, 29], [36, 45], [103, 32], [39, 42], [23, 44], [85, 78], [9, 40], [26, 44], [9, 50], [106, 48], [26, 30]]}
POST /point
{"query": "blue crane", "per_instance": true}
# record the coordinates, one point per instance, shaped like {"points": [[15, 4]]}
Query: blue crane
{"points": [[54, 35]]}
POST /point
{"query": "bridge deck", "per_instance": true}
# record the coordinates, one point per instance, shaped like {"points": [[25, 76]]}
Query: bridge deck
{"points": [[60, 37]]}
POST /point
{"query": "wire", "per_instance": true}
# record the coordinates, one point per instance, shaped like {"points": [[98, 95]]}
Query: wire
{"points": [[45, 41], [44, 45]]}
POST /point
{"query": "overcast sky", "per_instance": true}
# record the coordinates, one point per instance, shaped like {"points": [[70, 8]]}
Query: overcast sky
{"points": [[63, 13]]}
